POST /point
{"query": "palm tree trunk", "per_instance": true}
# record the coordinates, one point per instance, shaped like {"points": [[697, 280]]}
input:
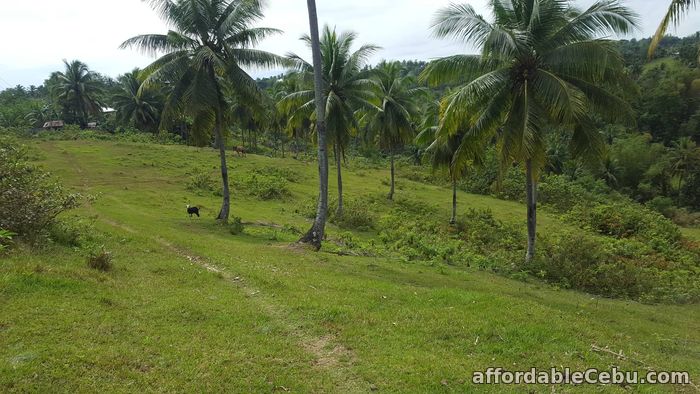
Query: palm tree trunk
{"points": [[226, 204], [453, 220], [391, 190], [680, 188], [315, 234], [338, 163], [531, 194]]}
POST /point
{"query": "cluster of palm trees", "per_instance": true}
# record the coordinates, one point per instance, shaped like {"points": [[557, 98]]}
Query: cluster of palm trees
{"points": [[543, 64]]}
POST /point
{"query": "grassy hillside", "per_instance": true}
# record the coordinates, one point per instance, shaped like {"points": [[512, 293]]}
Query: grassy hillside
{"points": [[191, 307]]}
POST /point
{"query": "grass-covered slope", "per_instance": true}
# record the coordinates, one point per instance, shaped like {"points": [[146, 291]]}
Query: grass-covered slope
{"points": [[191, 307]]}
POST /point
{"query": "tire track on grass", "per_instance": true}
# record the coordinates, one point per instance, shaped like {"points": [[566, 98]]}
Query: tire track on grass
{"points": [[329, 354]]}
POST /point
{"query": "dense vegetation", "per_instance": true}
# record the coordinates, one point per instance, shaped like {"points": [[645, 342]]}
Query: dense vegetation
{"points": [[606, 131]]}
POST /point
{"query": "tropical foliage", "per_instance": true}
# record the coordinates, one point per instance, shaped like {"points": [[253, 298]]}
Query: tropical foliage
{"points": [[136, 104], [203, 62], [346, 89], [542, 64], [78, 92], [391, 120]]}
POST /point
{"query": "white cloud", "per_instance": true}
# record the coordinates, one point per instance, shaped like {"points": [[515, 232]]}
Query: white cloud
{"points": [[38, 34]]}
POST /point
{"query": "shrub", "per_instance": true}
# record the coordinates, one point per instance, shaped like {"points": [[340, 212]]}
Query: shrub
{"points": [[356, 215], [201, 180], [487, 234], [5, 239], [512, 186], [662, 205], [279, 172], [236, 227], [265, 187], [100, 260], [30, 199], [624, 220], [621, 268], [562, 194], [74, 232]]}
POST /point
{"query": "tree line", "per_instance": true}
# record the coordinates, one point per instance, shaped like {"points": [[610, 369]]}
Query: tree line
{"points": [[547, 93]]}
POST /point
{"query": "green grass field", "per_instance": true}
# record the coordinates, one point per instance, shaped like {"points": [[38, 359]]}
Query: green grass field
{"points": [[191, 308]]}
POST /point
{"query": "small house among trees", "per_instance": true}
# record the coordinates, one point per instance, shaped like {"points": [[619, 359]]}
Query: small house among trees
{"points": [[53, 125]]}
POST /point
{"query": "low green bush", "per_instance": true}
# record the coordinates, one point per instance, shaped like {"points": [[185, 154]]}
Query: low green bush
{"points": [[235, 226], [624, 220], [201, 180], [74, 232], [621, 268], [5, 239], [100, 260], [357, 215], [30, 198], [264, 187], [511, 186], [279, 172]]}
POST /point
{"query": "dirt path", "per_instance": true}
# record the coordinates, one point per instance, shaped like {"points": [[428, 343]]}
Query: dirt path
{"points": [[329, 354]]}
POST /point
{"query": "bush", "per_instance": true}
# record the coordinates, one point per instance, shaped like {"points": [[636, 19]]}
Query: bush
{"points": [[30, 199], [562, 194], [265, 187], [624, 220], [512, 186], [356, 215], [74, 232], [621, 268], [487, 234], [279, 172], [100, 260], [236, 227], [5, 239], [201, 180], [662, 205]]}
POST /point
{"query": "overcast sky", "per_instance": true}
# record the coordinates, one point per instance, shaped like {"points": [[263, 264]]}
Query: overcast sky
{"points": [[37, 35]]}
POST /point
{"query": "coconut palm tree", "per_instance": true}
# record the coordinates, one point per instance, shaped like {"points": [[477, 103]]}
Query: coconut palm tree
{"points": [[202, 62], [297, 123], [136, 105], [542, 63], [78, 91], [684, 155], [315, 234], [442, 149], [390, 122], [346, 89], [673, 17]]}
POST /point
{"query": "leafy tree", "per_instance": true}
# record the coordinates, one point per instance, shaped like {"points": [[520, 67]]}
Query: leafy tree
{"points": [[315, 234], [346, 88], [137, 105], [210, 42], [390, 122], [78, 91], [542, 63]]}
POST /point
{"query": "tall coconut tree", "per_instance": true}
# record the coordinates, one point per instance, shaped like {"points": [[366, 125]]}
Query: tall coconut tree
{"points": [[673, 16], [684, 156], [202, 61], [543, 63], [136, 105], [443, 150], [390, 122], [315, 234], [346, 89], [78, 91]]}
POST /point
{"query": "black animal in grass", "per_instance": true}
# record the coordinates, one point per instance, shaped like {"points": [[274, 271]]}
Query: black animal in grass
{"points": [[192, 210]]}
